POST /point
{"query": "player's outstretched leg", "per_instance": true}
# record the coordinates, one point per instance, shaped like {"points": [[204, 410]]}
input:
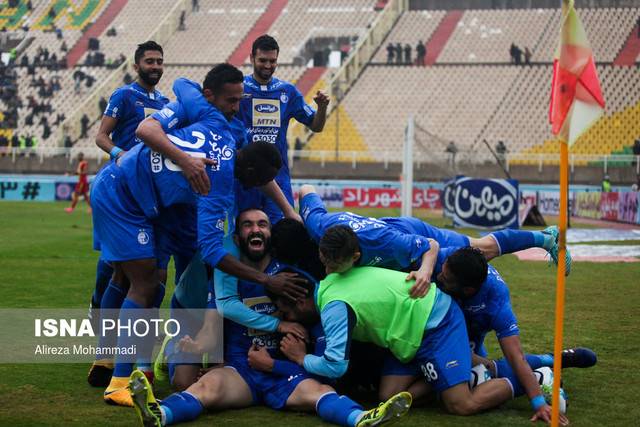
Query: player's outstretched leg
{"points": [[389, 411], [510, 241], [144, 401]]}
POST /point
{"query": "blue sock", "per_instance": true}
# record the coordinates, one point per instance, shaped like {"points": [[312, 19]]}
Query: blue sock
{"points": [[338, 409], [511, 241], [534, 360], [110, 305], [159, 295], [539, 360], [129, 313], [181, 407], [145, 351], [103, 277], [505, 371], [181, 263]]}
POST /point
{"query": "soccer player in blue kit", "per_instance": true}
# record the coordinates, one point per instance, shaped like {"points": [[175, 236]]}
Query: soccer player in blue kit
{"points": [[485, 301], [267, 106], [251, 329], [127, 107], [133, 191], [397, 243]]}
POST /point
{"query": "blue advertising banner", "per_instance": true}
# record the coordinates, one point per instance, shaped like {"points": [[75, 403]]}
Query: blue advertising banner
{"points": [[448, 197], [486, 203], [64, 190], [33, 190]]}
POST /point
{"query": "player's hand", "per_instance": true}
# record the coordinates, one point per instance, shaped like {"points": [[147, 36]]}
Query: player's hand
{"points": [[321, 99], [260, 359], [194, 169], [422, 285], [294, 348], [544, 414], [292, 214], [287, 285], [188, 345], [294, 329]]}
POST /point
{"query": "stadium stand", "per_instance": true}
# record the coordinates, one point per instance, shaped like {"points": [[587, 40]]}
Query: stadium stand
{"points": [[469, 93], [302, 20], [225, 22], [413, 26], [486, 35]]}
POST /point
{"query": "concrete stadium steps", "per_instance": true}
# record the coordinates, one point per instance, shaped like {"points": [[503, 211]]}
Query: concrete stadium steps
{"points": [[413, 25], [95, 30], [262, 26], [309, 79], [302, 20], [441, 35]]}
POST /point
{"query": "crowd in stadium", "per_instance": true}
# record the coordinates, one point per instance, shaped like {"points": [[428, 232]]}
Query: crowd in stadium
{"points": [[300, 292]]}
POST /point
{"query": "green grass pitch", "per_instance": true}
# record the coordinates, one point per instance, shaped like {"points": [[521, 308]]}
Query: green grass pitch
{"points": [[47, 261]]}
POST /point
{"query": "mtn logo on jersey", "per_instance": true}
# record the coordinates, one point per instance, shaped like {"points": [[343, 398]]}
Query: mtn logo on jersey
{"points": [[266, 112]]}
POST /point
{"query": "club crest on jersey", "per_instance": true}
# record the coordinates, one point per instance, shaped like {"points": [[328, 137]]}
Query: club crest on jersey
{"points": [[284, 98], [143, 237]]}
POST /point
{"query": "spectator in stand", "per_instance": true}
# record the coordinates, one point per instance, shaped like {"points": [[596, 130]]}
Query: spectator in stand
{"points": [[517, 55], [24, 62], [102, 105], [195, 6], [46, 131], [182, 26], [398, 53], [127, 79], [390, 53], [636, 151], [606, 184], [407, 54], [421, 53], [527, 56], [111, 32], [501, 151], [29, 6], [452, 150], [59, 119], [512, 53], [63, 46], [84, 126]]}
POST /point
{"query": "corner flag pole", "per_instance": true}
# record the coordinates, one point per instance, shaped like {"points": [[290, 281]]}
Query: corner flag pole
{"points": [[576, 104], [560, 288]]}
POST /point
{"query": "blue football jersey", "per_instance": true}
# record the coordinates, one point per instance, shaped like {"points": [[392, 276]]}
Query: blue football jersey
{"points": [[157, 183], [380, 244], [266, 111], [239, 338], [130, 105], [490, 310]]}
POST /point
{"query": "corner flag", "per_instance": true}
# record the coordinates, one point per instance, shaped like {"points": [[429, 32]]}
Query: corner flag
{"points": [[576, 97]]}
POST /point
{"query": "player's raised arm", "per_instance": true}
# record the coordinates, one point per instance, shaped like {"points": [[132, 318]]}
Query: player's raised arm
{"points": [[319, 119]]}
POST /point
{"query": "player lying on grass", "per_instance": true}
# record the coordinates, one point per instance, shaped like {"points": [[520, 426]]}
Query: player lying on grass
{"points": [[484, 298], [397, 243], [130, 194], [373, 304], [250, 335], [252, 245]]}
